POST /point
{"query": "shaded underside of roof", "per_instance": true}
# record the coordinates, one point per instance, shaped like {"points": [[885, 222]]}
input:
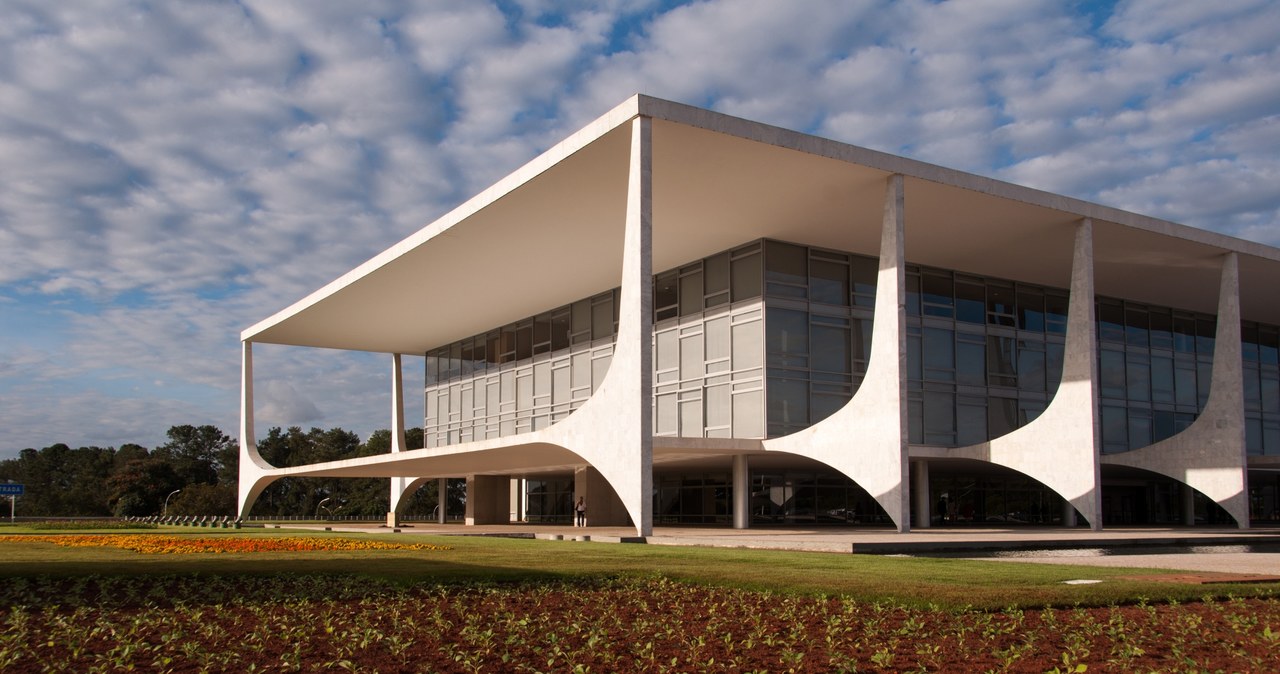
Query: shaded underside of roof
{"points": [[551, 233]]}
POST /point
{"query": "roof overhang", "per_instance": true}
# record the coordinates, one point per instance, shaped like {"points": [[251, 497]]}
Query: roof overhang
{"points": [[551, 232]]}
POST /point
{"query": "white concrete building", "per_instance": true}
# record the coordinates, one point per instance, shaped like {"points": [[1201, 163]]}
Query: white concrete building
{"points": [[689, 317]]}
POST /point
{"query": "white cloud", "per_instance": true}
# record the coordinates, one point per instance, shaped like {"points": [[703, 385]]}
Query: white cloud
{"points": [[175, 172]]}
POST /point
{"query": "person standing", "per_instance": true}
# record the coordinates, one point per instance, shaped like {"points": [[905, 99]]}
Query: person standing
{"points": [[581, 510]]}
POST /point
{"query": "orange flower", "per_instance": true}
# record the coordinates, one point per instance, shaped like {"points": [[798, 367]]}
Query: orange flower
{"points": [[160, 544]]}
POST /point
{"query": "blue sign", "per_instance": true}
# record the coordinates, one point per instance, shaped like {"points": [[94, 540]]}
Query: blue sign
{"points": [[9, 489]]}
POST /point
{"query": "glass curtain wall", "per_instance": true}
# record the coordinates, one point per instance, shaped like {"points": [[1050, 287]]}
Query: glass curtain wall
{"points": [[984, 355], [1261, 388], [526, 375]]}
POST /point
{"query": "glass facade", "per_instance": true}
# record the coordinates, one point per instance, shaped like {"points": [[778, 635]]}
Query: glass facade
{"points": [[1154, 369], [984, 355], [1261, 389], [769, 338]]}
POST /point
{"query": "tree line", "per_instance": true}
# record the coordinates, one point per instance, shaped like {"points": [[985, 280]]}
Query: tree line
{"points": [[201, 464]]}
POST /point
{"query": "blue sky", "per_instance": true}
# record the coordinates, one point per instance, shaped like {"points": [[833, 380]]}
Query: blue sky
{"points": [[173, 172]]}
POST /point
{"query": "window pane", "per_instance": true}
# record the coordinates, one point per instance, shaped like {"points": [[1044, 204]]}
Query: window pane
{"points": [[971, 423], [1030, 367], [665, 296], [864, 271], [1138, 376], [690, 294], [1001, 359], [1111, 375], [1161, 379], [1000, 303], [1055, 313], [971, 304], [716, 269], [939, 354], [788, 402], [1002, 416], [971, 363], [1110, 321], [830, 348], [1031, 309], [939, 295], [785, 263], [939, 418], [829, 282], [787, 338], [745, 275]]}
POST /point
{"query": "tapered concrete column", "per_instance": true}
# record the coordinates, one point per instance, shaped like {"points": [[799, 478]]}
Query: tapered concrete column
{"points": [[741, 492], [920, 494], [398, 484], [866, 440], [253, 469], [442, 498], [1068, 514], [1209, 455], [1188, 506], [1060, 448]]}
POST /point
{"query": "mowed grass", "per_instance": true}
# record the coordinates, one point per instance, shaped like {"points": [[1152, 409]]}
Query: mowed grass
{"points": [[916, 582]]}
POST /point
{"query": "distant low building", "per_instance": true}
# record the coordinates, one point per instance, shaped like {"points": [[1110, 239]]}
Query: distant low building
{"points": [[686, 317]]}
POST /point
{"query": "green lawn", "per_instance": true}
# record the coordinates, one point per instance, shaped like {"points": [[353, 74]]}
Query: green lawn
{"points": [[945, 583]]}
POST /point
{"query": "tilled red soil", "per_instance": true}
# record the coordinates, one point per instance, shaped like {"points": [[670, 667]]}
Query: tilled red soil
{"points": [[310, 623]]}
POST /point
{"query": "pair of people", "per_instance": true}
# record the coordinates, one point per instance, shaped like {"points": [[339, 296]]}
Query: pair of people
{"points": [[580, 512]]}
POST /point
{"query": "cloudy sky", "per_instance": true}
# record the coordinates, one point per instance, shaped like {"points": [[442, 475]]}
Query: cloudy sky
{"points": [[173, 172]]}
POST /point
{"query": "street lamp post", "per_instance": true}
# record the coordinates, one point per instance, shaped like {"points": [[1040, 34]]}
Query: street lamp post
{"points": [[321, 505], [165, 513]]}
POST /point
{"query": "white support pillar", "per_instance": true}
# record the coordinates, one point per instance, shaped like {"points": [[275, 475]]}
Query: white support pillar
{"points": [[866, 440], [1209, 455], [1060, 447], [254, 470], [920, 494], [1188, 506], [398, 484], [741, 492]]}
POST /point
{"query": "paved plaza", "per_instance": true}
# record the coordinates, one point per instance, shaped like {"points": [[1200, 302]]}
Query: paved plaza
{"points": [[1222, 550]]}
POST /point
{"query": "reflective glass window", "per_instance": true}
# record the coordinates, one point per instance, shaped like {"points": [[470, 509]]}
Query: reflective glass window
{"points": [[1138, 376], [716, 269], [1162, 388], [971, 420], [1002, 416], [939, 418], [787, 337], [1111, 375], [939, 354], [1139, 428], [1115, 429], [666, 296], [1030, 366], [1110, 321], [1161, 329], [828, 282], [786, 271], [745, 277], [971, 360], [864, 271], [691, 293], [1000, 303], [1030, 309], [830, 348], [1055, 312], [1001, 361], [939, 294], [1136, 326], [971, 303]]}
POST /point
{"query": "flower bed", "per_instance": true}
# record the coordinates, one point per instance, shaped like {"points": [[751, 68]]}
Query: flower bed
{"points": [[314, 623], [168, 545]]}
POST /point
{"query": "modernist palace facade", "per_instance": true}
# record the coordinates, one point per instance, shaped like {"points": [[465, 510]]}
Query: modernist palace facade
{"points": [[686, 317]]}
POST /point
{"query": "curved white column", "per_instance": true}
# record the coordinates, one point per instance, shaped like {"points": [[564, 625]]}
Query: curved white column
{"points": [[1209, 455], [399, 485], [1060, 447], [866, 440], [254, 471], [613, 430]]}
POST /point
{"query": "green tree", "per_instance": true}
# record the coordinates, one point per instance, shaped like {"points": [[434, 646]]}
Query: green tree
{"points": [[199, 454], [139, 487]]}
